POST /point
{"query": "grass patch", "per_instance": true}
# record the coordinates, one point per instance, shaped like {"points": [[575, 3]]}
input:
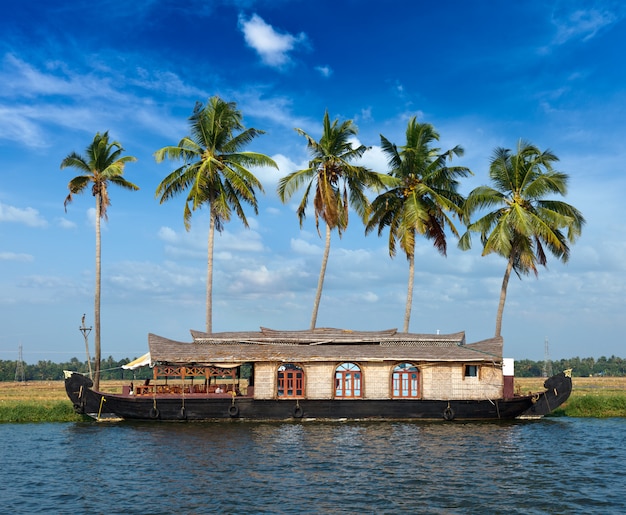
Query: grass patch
{"points": [[590, 405], [33, 411]]}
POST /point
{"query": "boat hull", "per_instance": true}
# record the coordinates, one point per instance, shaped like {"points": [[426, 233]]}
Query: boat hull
{"points": [[104, 406]]}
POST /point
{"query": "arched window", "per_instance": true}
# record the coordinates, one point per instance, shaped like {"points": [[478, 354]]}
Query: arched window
{"points": [[348, 381], [405, 381], [290, 383]]}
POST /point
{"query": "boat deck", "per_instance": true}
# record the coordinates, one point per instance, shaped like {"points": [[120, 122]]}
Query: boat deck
{"points": [[212, 391]]}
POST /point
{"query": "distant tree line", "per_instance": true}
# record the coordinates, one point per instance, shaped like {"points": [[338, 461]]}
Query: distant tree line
{"points": [[49, 371], [581, 367], [112, 369]]}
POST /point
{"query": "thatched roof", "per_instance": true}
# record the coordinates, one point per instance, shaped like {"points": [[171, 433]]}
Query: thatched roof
{"points": [[321, 345]]}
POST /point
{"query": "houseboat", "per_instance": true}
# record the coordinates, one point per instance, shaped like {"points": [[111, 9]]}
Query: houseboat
{"points": [[321, 374]]}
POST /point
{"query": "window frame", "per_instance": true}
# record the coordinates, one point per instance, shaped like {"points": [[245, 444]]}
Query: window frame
{"points": [[348, 375], [291, 372], [468, 367], [413, 392]]}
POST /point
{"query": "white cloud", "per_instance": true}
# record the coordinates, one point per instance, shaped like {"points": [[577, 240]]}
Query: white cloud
{"points": [[64, 223], [325, 71], [277, 109], [286, 165], [369, 296], [27, 216], [146, 277], [375, 159], [272, 46], [91, 218], [168, 235], [303, 247], [244, 240], [193, 243]]}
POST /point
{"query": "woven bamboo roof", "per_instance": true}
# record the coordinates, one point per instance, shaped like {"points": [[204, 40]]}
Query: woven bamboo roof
{"points": [[321, 345]]}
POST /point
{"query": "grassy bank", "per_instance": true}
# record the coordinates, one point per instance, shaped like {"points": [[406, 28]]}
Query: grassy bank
{"points": [[46, 401], [35, 401]]}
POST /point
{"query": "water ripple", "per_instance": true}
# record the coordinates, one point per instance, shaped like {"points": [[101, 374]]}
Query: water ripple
{"points": [[550, 466]]}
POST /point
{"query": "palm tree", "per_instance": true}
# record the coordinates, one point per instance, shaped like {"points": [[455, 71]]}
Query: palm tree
{"points": [[335, 182], [524, 224], [423, 192], [215, 172], [103, 164]]}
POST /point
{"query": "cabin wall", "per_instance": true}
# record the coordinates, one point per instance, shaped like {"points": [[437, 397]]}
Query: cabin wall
{"points": [[265, 380], [448, 382], [438, 381], [319, 380], [376, 380]]}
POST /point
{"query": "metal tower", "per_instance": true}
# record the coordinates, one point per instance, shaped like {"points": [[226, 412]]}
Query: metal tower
{"points": [[19, 368], [547, 364]]}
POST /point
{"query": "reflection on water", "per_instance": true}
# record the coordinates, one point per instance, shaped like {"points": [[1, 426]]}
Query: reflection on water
{"points": [[549, 466]]}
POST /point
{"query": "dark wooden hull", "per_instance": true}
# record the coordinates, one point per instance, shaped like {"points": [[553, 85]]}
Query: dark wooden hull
{"points": [[104, 406]]}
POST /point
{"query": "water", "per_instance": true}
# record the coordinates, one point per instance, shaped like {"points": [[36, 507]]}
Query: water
{"points": [[557, 465]]}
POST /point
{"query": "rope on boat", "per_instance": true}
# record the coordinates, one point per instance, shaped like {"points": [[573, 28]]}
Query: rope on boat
{"points": [[154, 411], [182, 414], [102, 401]]}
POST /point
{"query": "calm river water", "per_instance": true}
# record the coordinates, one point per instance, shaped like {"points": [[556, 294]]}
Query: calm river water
{"points": [[556, 465]]}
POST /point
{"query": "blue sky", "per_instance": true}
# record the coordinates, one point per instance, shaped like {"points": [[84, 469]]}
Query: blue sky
{"points": [[485, 74]]}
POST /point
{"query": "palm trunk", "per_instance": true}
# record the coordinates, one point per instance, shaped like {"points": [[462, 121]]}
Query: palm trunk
{"points": [[409, 294], [505, 284], [97, 298], [320, 282], [209, 277]]}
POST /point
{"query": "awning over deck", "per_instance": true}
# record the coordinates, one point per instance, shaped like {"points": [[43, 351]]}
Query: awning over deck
{"points": [[141, 361]]}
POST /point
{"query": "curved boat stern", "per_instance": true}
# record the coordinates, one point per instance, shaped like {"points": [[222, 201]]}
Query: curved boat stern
{"points": [[558, 389], [76, 386]]}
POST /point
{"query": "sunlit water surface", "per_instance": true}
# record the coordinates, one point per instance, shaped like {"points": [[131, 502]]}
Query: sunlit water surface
{"points": [[556, 465]]}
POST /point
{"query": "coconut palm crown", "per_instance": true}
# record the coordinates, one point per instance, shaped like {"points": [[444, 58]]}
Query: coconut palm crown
{"points": [[334, 182], [518, 221], [102, 164], [214, 172], [423, 194]]}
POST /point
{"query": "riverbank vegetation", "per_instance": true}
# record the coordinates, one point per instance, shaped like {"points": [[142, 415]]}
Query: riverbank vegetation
{"points": [[110, 369], [46, 401]]}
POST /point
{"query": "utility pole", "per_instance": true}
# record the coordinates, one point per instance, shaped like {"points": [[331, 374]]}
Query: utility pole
{"points": [[547, 364], [86, 330], [19, 368]]}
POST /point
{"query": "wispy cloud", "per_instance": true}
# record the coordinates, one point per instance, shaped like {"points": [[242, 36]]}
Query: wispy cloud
{"points": [[583, 24], [82, 99], [272, 46], [13, 256]]}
